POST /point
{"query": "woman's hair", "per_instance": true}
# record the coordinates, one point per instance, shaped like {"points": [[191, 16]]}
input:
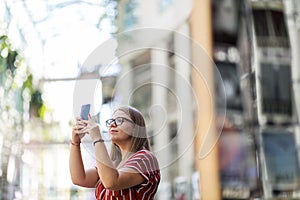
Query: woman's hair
{"points": [[138, 136]]}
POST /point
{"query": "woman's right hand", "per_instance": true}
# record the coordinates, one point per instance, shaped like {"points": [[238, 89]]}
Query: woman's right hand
{"points": [[76, 131]]}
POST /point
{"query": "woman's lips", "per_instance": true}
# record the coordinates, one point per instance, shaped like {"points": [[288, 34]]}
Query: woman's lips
{"points": [[113, 131]]}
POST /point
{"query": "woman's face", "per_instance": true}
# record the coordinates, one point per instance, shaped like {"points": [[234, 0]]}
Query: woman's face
{"points": [[121, 133]]}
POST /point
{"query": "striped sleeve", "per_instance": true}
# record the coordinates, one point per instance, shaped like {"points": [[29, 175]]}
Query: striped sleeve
{"points": [[144, 162]]}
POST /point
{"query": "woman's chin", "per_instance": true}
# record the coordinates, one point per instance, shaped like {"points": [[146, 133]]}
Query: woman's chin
{"points": [[113, 138]]}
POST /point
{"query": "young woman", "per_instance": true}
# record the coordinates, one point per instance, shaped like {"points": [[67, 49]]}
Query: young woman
{"points": [[130, 172]]}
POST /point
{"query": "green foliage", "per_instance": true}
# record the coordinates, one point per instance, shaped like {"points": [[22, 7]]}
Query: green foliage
{"points": [[11, 58], [17, 84], [28, 84], [8, 56]]}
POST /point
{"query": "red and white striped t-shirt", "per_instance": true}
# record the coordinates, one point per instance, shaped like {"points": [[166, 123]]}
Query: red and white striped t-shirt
{"points": [[146, 164]]}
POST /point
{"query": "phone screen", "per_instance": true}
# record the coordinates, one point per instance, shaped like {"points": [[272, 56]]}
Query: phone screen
{"points": [[85, 110]]}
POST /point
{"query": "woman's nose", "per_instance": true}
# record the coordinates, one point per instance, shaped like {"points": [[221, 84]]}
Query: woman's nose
{"points": [[113, 124]]}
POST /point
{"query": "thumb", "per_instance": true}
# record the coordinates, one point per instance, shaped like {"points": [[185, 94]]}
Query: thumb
{"points": [[88, 119]]}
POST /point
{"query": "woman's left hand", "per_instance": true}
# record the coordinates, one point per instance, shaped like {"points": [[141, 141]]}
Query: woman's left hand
{"points": [[92, 129]]}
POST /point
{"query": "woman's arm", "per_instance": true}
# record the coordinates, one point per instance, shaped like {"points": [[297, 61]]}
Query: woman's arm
{"points": [[110, 177], [79, 176]]}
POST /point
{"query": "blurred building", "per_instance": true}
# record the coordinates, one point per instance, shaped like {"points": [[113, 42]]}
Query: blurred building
{"points": [[256, 52], [158, 82]]}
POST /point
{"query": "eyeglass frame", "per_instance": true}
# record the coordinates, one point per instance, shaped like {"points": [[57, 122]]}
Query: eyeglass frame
{"points": [[115, 122]]}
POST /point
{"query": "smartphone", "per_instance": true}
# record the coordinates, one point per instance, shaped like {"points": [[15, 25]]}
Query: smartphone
{"points": [[85, 110]]}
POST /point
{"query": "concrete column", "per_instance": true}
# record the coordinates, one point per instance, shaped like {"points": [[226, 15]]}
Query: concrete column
{"points": [[203, 86], [183, 92], [124, 85], [158, 111]]}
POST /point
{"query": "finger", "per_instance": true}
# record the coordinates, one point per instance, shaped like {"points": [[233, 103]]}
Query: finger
{"points": [[75, 131], [83, 130], [90, 119], [79, 126], [81, 135], [85, 121], [74, 127], [78, 119], [80, 123]]}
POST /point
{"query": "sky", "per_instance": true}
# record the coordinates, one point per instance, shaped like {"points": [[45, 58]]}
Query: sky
{"points": [[55, 38]]}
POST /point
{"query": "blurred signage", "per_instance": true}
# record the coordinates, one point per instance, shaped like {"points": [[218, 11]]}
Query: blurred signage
{"points": [[237, 163], [181, 188]]}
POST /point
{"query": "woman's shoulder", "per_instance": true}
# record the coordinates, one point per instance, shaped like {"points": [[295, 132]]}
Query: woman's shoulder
{"points": [[144, 161], [145, 156], [144, 153]]}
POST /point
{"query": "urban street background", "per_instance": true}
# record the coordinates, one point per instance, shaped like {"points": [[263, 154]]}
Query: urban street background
{"points": [[216, 80]]}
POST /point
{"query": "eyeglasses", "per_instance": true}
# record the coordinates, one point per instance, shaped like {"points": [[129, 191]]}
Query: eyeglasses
{"points": [[117, 122]]}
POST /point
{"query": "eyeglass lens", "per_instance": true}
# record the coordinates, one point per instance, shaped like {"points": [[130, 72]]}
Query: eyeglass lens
{"points": [[117, 122]]}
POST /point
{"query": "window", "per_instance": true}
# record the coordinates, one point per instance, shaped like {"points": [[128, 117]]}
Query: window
{"points": [[225, 18], [229, 74], [261, 23], [276, 89], [270, 28], [279, 25], [281, 159]]}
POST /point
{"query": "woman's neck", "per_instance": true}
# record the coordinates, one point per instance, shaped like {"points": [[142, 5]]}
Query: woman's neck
{"points": [[126, 148], [126, 154]]}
